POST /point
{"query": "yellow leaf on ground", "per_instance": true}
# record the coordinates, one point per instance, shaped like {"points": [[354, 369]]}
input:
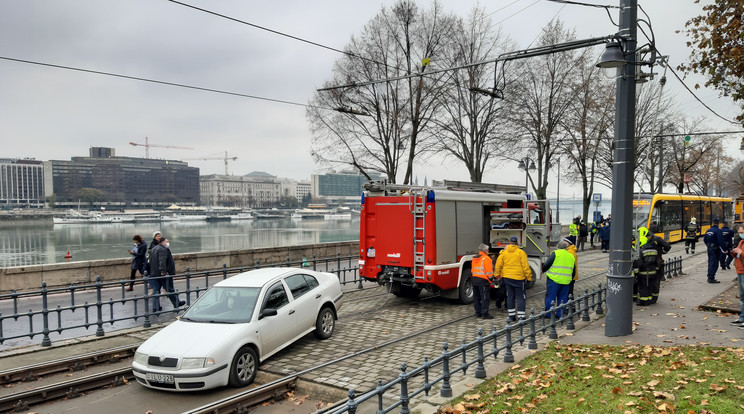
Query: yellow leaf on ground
{"points": [[471, 397]]}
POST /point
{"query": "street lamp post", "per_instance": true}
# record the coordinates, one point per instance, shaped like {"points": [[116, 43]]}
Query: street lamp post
{"points": [[527, 165], [619, 321]]}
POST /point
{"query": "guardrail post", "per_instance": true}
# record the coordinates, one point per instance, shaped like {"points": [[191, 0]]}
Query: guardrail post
{"points": [[147, 323], [585, 313], [338, 264], [677, 261], [552, 334], [224, 271], [351, 405], [45, 341], [72, 297], [446, 390], [600, 311], [480, 369], [495, 349], [258, 263], [532, 343], [570, 308], [508, 356], [404, 398], [427, 386], [315, 262], [188, 286], [99, 307]]}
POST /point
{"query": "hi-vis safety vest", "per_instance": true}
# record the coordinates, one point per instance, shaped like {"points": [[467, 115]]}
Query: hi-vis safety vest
{"points": [[573, 230], [482, 267], [561, 271]]}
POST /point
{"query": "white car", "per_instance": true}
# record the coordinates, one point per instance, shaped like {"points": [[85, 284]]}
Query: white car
{"points": [[235, 325]]}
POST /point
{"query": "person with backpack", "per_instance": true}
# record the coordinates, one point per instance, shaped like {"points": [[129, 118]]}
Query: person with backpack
{"points": [[715, 243]]}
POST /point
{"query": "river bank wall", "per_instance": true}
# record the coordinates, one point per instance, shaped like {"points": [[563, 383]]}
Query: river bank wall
{"points": [[85, 272]]}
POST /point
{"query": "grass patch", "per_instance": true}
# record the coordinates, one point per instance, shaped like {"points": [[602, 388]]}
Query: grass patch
{"points": [[572, 378]]}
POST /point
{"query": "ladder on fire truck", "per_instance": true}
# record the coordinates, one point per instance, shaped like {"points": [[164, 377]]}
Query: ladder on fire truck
{"points": [[418, 197]]}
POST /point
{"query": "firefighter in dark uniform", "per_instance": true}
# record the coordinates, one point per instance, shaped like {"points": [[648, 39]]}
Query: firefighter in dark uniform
{"points": [[692, 230], [650, 266]]}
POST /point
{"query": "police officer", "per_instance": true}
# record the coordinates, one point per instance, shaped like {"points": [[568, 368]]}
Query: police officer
{"points": [[692, 230], [728, 237], [482, 272], [714, 241]]}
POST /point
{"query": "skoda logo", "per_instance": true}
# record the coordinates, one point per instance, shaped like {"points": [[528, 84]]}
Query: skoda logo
{"points": [[162, 358]]}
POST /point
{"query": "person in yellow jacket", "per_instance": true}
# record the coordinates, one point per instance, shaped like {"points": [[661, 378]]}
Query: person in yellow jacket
{"points": [[482, 274], [514, 270], [572, 249], [560, 269]]}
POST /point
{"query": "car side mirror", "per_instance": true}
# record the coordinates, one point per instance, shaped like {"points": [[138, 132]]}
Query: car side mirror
{"points": [[267, 312]]}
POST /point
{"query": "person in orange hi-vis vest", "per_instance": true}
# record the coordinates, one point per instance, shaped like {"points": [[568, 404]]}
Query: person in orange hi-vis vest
{"points": [[482, 274]]}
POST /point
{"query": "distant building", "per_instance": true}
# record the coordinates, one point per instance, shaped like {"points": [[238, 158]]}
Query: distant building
{"points": [[296, 189], [339, 187], [21, 183], [123, 181], [253, 190]]}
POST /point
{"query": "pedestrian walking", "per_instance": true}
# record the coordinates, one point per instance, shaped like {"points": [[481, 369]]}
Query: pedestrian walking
{"points": [[170, 272], [139, 257], [714, 242], [728, 237], [583, 234], [738, 256], [691, 236], [482, 275], [514, 270], [560, 269], [161, 262]]}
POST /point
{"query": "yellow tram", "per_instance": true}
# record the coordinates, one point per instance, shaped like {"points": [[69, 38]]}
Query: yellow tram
{"points": [[666, 215]]}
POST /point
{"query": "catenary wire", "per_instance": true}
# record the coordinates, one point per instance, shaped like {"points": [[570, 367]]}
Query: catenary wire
{"points": [[180, 85], [279, 33]]}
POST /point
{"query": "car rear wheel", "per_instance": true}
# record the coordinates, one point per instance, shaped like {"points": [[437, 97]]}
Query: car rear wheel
{"points": [[244, 367], [325, 324]]}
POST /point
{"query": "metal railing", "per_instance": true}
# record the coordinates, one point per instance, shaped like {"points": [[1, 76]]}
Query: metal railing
{"points": [[474, 353], [99, 312]]}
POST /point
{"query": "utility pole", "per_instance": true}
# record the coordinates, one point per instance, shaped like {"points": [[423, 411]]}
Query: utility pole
{"points": [[619, 321]]}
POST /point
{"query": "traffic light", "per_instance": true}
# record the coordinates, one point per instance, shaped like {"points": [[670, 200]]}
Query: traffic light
{"points": [[687, 140]]}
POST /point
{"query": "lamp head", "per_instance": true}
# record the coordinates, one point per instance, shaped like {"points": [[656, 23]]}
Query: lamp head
{"points": [[612, 57]]}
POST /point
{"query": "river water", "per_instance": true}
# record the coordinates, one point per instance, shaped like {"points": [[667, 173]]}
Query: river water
{"points": [[34, 244]]}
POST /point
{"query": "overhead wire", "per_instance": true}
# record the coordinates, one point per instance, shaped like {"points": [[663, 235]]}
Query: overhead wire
{"points": [[347, 53], [180, 85]]}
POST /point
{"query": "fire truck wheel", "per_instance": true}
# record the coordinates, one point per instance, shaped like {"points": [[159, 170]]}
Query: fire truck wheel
{"points": [[466, 287], [409, 292]]}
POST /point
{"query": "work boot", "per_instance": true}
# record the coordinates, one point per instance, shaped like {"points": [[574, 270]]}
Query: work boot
{"points": [[487, 316], [693, 252], [643, 303], [687, 251]]}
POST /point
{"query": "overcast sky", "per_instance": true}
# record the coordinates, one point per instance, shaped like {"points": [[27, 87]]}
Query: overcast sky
{"points": [[49, 113]]}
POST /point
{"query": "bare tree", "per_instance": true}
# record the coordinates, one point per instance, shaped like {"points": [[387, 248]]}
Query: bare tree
{"points": [[695, 161], [543, 97], [471, 122], [381, 126], [590, 116]]}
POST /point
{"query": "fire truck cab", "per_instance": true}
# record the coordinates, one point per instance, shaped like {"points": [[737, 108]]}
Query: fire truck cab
{"points": [[413, 238]]}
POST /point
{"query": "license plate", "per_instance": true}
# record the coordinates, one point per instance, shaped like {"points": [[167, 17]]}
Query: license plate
{"points": [[160, 378]]}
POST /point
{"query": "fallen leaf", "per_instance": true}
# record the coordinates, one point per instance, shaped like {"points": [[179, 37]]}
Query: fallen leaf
{"points": [[471, 397], [653, 383]]}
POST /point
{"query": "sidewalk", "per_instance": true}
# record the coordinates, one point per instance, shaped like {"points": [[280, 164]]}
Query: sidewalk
{"points": [[675, 320]]}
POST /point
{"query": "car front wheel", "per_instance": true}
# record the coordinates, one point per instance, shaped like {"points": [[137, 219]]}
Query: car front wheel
{"points": [[244, 367], [325, 324]]}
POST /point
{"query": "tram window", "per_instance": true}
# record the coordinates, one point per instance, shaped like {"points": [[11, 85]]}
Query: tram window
{"points": [[727, 210], [718, 210], [707, 219], [690, 211], [671, 215], [656, 219]]}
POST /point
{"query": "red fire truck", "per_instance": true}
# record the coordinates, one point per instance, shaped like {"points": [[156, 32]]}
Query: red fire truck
{"points": [[413, 238]]}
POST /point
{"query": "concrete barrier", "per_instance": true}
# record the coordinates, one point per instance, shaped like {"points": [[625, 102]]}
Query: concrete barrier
{"points": [[63, 274]]}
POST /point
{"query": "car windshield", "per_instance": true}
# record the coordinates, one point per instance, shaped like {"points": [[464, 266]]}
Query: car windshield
{"points": [[224, 305]]}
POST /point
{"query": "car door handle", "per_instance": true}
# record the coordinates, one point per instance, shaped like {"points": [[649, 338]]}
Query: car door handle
{"points": [[317, 296], [291, 312]]}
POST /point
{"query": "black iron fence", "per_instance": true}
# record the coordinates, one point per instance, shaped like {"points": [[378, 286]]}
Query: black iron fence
{"points": [[475, 353], [44, 318]]}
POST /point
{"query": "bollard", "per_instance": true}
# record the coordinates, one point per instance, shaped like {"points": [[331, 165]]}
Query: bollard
{"points": [[99, 306], [553, 334], [480, 369], [188, 286], [379, 390], [46, 341], [570, 308], [224, 271], [446, 390], [315, 263], [404, 398], [147, 323], [508, 356], [600, 311], [585, 314], [532, 343], [72, 297]]}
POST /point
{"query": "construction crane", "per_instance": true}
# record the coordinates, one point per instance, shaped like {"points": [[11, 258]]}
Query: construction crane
{"points": [[147, 146], [226, 158]]}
